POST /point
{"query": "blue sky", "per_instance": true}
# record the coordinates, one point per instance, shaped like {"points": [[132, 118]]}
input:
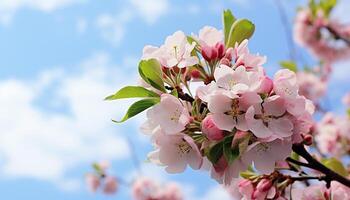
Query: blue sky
{"points": [[60, 58]]}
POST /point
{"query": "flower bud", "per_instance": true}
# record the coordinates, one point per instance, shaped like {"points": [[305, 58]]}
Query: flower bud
{"points": [[221, 165], [220, 48], [266, 85], [92, 182], [225, 61], [111, 185], [210, 130], [307, 139], [209, 53], [195, 74], [229, 53], [264, 185]]}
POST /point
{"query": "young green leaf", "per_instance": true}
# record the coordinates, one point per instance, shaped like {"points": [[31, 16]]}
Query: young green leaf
{"points": [[230, 153], [227, 20], [215, 152], [138, 107], [132, 92], [336, 166], [292, 66], [150, 71], [241, 29]]}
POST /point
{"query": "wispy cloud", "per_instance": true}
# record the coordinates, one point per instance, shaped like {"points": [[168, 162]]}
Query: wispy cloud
{"points": [[8, 8], [70, 128]]}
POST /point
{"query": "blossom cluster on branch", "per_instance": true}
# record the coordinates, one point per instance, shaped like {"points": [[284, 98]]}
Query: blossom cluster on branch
{"points": [[211, 106]]}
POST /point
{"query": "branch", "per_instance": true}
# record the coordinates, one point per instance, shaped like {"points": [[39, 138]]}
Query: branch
{"points": [[337, 35], [330, 175]]}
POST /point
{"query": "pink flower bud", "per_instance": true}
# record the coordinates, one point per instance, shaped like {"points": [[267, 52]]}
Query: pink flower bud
{"points": [[111, 185], [225, 61], [195, 74], [307, 139], [220, 48], [92, 182], [221, 165], [209, 53], [210, 130], [266, 85], [229, 53], [264, 185]]}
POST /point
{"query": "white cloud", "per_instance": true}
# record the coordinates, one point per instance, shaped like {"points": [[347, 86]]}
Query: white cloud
{"points": [[8, 8], [43, 138], [113, 26], [151, 10]]}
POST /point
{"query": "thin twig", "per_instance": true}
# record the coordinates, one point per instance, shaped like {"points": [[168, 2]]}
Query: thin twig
{"points": [[330, 175]]}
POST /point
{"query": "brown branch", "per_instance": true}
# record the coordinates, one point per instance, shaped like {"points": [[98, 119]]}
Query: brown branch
{"points": [[330, 175], [337, 35]]}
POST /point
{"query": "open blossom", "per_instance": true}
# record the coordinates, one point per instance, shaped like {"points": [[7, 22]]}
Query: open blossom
{"points": [[243, 57], [337, 191], [176, 152], [146, 189], [333, 135], [311, 86], [170, 114], [175, 52], [264, 156], [346, 100], [271, 121], [310, 32], [92, 181]]}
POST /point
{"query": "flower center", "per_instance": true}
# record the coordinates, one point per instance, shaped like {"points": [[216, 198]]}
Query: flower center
{"points": [[183, 148], [175, 115]]}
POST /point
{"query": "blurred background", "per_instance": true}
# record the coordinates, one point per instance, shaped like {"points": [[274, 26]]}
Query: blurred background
{"points": [[60, 58]]}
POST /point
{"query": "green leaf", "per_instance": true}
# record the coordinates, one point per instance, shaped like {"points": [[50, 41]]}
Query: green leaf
{"points": [[348, 112], [138, 107], [335, 165], [292, 66], [150, 71], [227, 20], [243, 145], [247, 174], [132, 92], [215, 152], [241, 29], [230, 153], [174, 93]]}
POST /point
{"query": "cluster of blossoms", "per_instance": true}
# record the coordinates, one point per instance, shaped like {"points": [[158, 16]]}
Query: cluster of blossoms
{"points": [[141, 189], [100, 179], [333, 135], [326, 38], [336, 191], [147, 189], [211, 106], [238, 117]]}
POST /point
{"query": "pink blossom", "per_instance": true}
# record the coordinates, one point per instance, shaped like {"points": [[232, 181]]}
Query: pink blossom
{"points": [[309, 32], [170, 114], [339, 191], [210, 36], [110, 185], [346, 100], [314, 192], [264, 156], [171, 191], [175, 152], [311, 86], [175, 52], [244, 58], [228, 112], [268, 120], [264, 190], [93, 182], [144, 189], [210, 130], [224, 173], [246, 188]]}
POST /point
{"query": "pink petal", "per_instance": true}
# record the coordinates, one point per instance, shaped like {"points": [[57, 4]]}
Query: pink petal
{"points": [[282, 127], [256, 126], [274, 106], [219, 103], [224, 122]]}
